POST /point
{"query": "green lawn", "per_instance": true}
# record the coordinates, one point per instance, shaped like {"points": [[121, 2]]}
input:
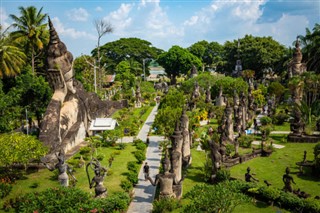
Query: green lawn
{"points": [[265, 168], [112, 182], [284, 127]]}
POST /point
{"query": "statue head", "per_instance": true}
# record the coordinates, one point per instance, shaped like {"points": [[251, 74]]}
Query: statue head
{"points": [[248, 169], [287, 170]]}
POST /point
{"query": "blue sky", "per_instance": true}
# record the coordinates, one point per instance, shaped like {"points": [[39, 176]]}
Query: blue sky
{"points": [[172, 22]]}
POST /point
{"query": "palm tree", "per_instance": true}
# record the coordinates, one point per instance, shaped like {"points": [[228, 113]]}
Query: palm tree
{"points": [[11, 57], [31, 31]]}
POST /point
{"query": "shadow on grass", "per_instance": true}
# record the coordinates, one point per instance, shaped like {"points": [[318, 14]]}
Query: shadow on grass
{"points": [[195, 175]]}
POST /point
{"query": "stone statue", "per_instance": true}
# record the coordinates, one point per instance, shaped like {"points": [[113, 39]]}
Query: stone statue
{"points": [[208, 95], [63, 169], [196, 91], [287, 180], [297, 125], [248, 177], [215, 157], [194, 71], [138, 97], [186, 147], [67, 119], [97, 181], [295, 67], [167, 180], [226, 128], [220, 100]]}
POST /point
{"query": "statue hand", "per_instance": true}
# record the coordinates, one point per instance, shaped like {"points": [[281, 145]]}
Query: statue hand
{"points": [[57, 81]]}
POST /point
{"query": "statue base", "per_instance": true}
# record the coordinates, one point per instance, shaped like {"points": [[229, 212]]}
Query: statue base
{"points": [[303, 138]]}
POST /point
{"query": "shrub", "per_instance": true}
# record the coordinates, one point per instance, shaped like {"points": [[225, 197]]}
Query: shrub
{"points": [[290, 201], [229, 149], [265, 120], [270, 193], [34, 185], [280, 118], [165, 205], [5, 189], [140, 156], [74, 162], [312, 205], [100, 157], [85, 150], [122, 146], [133, 177], [141, 146], [115, 153], [126, 185], [245, 141], [223, 175], [133, 166], [136, 141]]}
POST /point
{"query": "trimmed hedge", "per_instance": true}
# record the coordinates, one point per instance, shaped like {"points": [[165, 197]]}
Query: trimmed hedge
{"points": [[63, 199]]}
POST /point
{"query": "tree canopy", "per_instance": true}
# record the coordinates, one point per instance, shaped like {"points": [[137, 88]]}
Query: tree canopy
{"points": [[178, 61], [256, 53], [124, 49]]}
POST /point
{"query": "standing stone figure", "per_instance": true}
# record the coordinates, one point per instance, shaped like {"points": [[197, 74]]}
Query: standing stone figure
{"points": [[138, 97], [215, 157], [167, 180], [63, 169], [220, 100], [97, 181], [287, 180], [208, 95], [186, 152]]}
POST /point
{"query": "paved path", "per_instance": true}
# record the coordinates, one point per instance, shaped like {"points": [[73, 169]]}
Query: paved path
{"points": [[144, 192]]}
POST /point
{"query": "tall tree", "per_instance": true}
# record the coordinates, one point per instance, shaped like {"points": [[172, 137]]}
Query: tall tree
{"points": [[31, 31], [256, 53], [126, 49], [310, 48], [11, 57], [178, 61], [103, 27]]}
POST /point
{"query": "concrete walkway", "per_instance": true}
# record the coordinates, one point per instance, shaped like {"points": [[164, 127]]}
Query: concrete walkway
{"points": [[144, 192]]}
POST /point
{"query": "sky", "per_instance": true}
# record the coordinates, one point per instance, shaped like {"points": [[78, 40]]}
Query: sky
{"points": [[165, 23]]}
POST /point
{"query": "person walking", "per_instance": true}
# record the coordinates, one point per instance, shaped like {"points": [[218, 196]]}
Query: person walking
{"points": [[146, 171]]}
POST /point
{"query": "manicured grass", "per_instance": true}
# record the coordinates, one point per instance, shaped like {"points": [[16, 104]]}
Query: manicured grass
{"points": [[112, 182], [273, 168], [284, 127]]}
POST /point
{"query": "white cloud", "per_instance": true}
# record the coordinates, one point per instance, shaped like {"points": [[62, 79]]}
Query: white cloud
{"points": [[79, 14], [70, 32], [99, 9], [120, 18], [3, 19]]}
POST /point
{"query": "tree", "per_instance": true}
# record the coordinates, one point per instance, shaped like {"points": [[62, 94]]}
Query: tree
{"points": [[310, 48], [31, 31], [209, 53], [103, 27], [178, 61], [18, 148], [84, 71], [12, 57], [124, 49], [256, 53], [276, 89]]}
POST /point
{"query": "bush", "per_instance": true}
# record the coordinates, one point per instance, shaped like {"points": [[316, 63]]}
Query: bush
{"points": [[280, 118], [133, 166], [136, 141], [290, 201], [122, 146], [140, 156], [141, 146], [126, 185], [245, 141], [165, 205], [85, 150], [74, 162], [63, 199], [100, 157], [133, 177], [5, 189], [265, 120], [229, 149], [223, 175], [270, 193]]}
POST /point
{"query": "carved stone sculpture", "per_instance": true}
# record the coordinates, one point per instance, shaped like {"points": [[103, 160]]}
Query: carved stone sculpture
{"points": [[176, 154], [287, 180], [63, 169], [215, 157], [194, 71], [220, 100], [138, 97], [208, 95], [186, 152], [167, 181], [97, 181], [67, 119]]}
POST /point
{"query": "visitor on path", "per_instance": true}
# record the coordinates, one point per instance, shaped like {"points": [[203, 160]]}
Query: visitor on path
{"points": [[146, 171]]}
